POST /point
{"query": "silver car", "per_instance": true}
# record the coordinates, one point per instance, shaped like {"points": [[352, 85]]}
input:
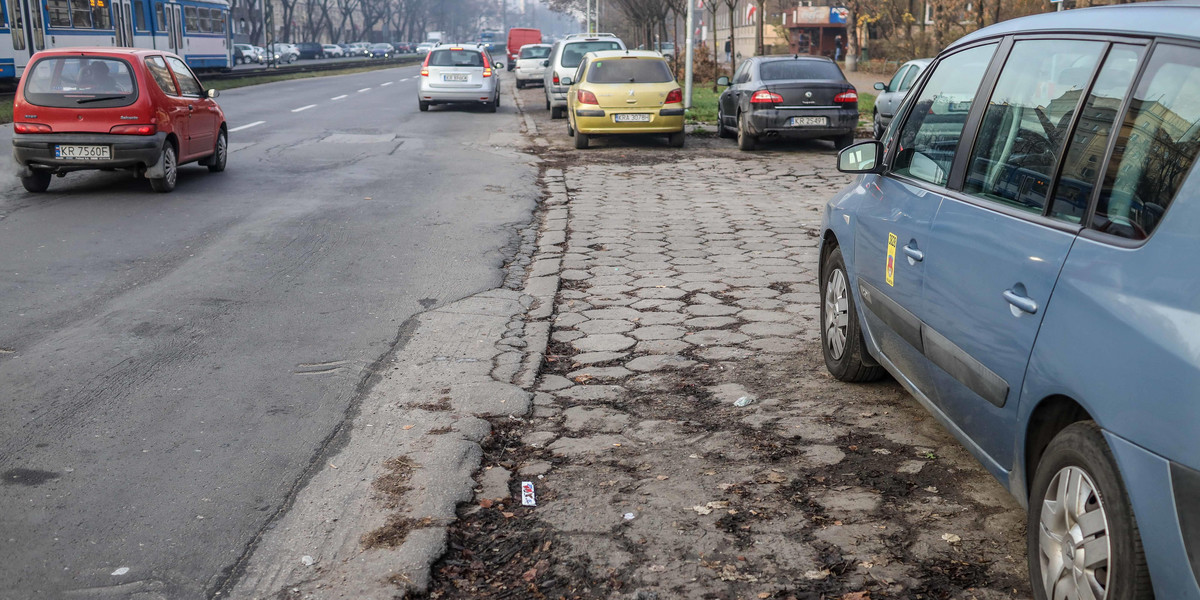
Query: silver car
{"points": [[459, 74], [530, 67], [565, 56], [893, 93]]}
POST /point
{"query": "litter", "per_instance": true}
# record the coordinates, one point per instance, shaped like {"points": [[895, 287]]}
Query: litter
{"points": [[744, 401], [121, 571], [307, 560], [527, 496], [951, 538], [629, 516]]}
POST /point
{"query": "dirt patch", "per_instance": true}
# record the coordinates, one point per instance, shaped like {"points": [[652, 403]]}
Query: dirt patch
{"points": [[394, 532]]}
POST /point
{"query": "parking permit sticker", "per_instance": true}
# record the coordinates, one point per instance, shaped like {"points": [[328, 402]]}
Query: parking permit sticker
{"points": [[891, 260]]}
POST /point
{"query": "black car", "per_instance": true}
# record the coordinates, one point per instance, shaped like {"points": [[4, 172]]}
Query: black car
{"points": [[310, 50], [792, 97]]}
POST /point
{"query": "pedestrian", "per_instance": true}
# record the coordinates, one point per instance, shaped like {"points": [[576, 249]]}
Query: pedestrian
{"points": [[729, 49], [838, 47]]}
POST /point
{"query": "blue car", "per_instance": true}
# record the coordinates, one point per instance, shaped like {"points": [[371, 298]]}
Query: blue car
{"points": [[1014, 251]]}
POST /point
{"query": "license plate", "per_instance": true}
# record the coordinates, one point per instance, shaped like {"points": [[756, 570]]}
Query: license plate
{"points": [[83, 152], [455, 77], [632, 118], [808, 121]]}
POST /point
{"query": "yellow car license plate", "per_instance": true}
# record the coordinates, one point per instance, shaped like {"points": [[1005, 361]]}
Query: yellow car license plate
{"points": [[632, 118]]}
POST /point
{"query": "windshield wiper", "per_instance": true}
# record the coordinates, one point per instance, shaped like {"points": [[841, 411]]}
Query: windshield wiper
{"points": [[99, 98]]}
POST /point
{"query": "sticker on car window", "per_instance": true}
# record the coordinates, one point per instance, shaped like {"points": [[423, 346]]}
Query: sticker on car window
{"points": [[891, 260]]}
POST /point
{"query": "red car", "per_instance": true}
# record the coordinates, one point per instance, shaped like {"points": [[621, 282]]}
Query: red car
{"points": [[144, 110], [520, 36]]}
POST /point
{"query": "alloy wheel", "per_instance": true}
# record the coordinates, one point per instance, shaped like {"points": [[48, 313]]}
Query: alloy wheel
{"points": [[1073, 538], [170, 169], [836, 313]]}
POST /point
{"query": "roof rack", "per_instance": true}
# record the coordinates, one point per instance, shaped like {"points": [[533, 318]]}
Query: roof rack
{"points": [[571, 36]]}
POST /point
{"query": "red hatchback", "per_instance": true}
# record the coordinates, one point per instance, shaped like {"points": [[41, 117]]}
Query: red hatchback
{"points": [[114, 108]]}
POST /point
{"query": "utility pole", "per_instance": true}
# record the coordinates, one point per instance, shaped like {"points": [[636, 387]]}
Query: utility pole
{"points": [[687, 55]]}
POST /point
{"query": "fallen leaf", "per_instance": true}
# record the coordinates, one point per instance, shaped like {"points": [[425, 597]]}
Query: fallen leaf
{"points": [[530, 575], [584, 378], [864, 595], [774, 477], [508, 515], [883, 451], [657, 568], [815, 575], [662, 478], [407, 427], [764, 595], [854, 448], [485, 503], [951, 538], [704, 510]]}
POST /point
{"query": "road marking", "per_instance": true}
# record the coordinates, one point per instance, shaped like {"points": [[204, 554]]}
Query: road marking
{"points": [[385, 84], [247, 126], [302, 108], [406, 79], [338, 97], [364, 89]]}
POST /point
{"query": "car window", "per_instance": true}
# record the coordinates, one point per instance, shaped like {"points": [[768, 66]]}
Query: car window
{"points": [[1026, 121], [742, 74], [1156, 148], [909, 78], [572, 53], [779, 70], [1089, 142], [930, 135], [542, 52], [80, 81], [161, 74], [455, 58], [897, 79], [629, 70], [188, 85]]}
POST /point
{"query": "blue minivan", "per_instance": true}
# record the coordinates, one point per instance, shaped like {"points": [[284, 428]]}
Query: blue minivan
{"points": [[1015, 251]]}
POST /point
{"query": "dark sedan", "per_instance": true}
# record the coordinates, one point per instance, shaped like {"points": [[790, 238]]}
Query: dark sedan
{"points": [[787, 97], [310, 50], [381, 50]]}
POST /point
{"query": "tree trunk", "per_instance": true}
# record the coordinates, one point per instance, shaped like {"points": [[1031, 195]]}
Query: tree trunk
{"points": [[759, 16], [852, 37], [732, 40]]}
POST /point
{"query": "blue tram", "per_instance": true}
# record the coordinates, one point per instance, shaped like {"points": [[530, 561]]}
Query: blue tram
{"points": [[197, 30]]}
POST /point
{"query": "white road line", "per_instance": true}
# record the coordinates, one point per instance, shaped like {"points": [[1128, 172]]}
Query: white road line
{"points": [[338, 97], [364, 89], [246, 126], [302, 108], [406, 79], [385, 84]]}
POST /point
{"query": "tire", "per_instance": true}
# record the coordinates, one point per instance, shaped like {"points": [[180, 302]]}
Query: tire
{"points": [[557, 112], [171, 174], [520, 84], [843, 141], [877, 127], [842, 344], [38, 182], [745, 140], [581, 141], [422, 105], [491, 106], [220, 153], [677, 139], [722, 132], [497, 96], [1080, 455], [548, 104], [570, 130]]}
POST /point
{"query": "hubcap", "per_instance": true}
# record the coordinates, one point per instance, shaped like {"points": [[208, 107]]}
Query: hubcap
{"points": [[222, 145], [169, 166], [1073, 538], [837, 313]]}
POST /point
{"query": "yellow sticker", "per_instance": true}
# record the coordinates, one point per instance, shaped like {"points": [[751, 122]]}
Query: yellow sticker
{"points": [[891, 260]]}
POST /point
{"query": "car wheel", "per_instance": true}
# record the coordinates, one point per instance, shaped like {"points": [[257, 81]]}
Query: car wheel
{"points": [[581, 140], [38, 182], [1082, 538], [548, 103], [557, 112], [841, 336], [722, 132], [877, 126], [745, 140], [166, 183], [520, 84], [677, 139], [491, 106], [843, 141], [422, 105], [570, 130], [220, 153], [497, 96]]}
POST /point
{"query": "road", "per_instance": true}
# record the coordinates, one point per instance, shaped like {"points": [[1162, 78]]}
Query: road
{"points": [[171, 365]]}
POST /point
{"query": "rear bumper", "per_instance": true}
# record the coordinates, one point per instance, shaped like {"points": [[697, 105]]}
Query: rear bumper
{"points": [[774, 121], [557, 95], [599, 121], [531, 74], [475, 95], [128, 151]]}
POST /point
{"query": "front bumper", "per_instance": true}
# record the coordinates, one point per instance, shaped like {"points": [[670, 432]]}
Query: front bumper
{"points": [[774, 122], [128, 151], [597, 121]]}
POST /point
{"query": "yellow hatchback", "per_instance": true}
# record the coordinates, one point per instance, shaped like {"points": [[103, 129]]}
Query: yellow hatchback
{"points": [[621, 92]]}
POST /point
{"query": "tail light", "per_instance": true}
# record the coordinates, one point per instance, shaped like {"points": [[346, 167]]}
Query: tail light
{"points": [[134, 129], [846, 97], [487, 72], [556, 79], [30, 128], [675, 96], [425, 66], [765, 97], [585, 97]]}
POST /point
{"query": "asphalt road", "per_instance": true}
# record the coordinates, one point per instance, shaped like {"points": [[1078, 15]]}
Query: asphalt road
{"points": [[170, 365]]}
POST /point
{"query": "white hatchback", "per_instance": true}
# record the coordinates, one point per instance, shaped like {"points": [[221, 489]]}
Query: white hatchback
{"points": [[459, 74], [531, 64]]}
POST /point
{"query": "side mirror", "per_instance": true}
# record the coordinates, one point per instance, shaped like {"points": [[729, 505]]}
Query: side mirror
{"points": [[546, 63], [723, 80], [567, 81], [213, 93], [881, 86], [861, 158], [499, 65]]}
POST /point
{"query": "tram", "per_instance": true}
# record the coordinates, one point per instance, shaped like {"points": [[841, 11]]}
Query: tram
{"points": [[197, 30]]}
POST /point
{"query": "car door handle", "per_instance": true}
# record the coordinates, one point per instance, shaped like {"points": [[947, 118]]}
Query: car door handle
{"points": [[1024, 303], [914, 253]]}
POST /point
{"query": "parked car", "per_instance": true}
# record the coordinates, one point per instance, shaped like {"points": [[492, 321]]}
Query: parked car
{"points": [[284, 53], [530, 64], [622, 91], [310, 50], [243, 54], [424, 48], [893, 93], [360, 48], [565, 56], [787, 97], [381, 50], [333, 51], [519, 37], [80, 109], [260, 54], [1015, 252], [459, 74]]}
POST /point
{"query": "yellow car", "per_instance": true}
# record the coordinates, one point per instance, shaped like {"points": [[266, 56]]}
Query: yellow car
{"points": [[624, 91]]}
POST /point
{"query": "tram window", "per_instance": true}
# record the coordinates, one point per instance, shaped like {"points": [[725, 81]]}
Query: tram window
{"points": [[100, 14], [160, 18], [18, 31], [81, 14], [218, 21], [205, 23], [139, 16], [193, 23], [60, 12]]}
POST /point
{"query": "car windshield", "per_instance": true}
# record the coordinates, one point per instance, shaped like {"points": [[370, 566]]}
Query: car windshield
{"points": [[381, 47], [74, 81], [573, 53], [778, 70], [629, 70], [538, 52], [455, 58]]}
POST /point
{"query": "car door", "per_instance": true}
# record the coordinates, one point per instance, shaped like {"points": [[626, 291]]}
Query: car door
{"points": [[728, 100], [202, 126], [893, 221], [889, 100], [995, 250]]}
